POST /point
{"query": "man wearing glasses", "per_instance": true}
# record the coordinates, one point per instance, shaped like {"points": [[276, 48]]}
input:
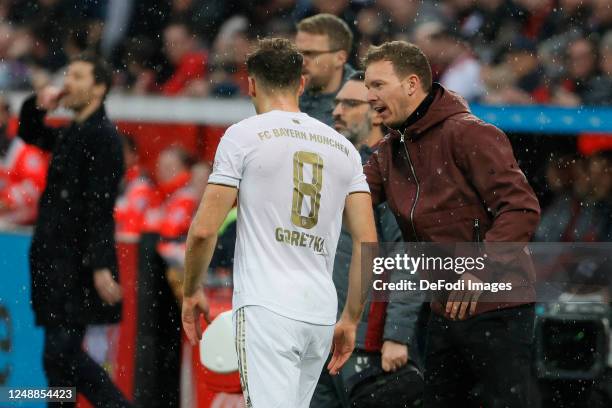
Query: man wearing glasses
{"points": [[325, 41]]}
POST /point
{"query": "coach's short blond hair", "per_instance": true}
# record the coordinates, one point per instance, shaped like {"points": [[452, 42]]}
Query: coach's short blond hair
{"points": [[406, 58], [338, 32]]}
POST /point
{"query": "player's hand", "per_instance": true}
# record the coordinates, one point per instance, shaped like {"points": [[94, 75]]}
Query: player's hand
{"points": [[194, 306], [48, 98], [108, 289], [394, 356], [460, 301], [343, 345]]}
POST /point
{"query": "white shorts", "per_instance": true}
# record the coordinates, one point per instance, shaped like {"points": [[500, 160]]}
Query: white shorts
{"points": [[279, 359]]}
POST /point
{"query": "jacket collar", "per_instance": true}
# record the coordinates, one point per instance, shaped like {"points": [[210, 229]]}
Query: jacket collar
{"points": [[94, 119], [438, 105]]}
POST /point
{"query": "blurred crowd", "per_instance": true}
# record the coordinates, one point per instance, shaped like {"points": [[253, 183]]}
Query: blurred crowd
{"points": [[491, 51], [581, 208]]}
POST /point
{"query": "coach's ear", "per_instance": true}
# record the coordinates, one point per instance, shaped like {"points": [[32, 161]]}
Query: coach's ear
{"points": [[302, 85], [252, 87]]}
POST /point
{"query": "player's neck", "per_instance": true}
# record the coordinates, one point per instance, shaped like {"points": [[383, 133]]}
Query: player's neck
{"points": [[281, 103]]}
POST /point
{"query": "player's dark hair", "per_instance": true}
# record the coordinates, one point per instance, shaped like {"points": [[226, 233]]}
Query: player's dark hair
{"points": [[277, 63], [102, 72], [406, 58]]}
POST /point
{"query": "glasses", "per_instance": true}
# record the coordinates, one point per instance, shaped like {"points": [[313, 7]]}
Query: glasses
{"points": [[350, 103], [311, 54]]}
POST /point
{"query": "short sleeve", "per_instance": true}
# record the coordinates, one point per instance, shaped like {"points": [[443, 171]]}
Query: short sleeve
{"points": [[358, 179], [229, 161]]}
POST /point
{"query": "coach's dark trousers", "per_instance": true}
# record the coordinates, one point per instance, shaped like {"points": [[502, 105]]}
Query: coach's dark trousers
{"points": [[68, 365], [484, 361]]}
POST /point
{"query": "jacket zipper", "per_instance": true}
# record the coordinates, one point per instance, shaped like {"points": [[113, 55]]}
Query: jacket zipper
{"points": [[418, 188], [477, 230]]}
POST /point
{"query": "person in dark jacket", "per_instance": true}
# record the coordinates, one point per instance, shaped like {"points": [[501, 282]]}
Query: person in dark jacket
{"points": [[72, 257], [325, 42], [449, 178]]}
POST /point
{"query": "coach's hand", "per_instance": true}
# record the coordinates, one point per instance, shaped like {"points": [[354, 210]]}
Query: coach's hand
{"points": [[394, 355], [194, 306], [460, 301], [107, 287], [343, 344]]}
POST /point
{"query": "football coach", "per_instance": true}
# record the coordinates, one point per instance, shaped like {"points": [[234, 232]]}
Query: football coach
{"points": [[449, 177], [72, 257]]}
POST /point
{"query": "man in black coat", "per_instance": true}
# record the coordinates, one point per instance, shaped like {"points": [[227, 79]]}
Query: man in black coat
{"points": [[72, 258]]}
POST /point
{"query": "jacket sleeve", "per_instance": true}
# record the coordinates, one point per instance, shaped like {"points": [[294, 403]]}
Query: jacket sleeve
{"points": [[401, 318], [402, 309], [105, 171], [488, 162], [32, 128], [374, 178]]}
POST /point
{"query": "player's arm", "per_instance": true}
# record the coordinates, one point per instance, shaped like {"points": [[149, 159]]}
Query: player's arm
{"points": [[359, 220], [218, 200]]}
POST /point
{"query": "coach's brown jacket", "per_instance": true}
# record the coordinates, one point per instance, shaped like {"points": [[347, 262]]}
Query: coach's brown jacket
{"points": [[450, 177]]}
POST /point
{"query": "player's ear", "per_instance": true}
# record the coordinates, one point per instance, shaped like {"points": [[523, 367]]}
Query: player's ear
{"points": [[252, 87], [302, 85]]}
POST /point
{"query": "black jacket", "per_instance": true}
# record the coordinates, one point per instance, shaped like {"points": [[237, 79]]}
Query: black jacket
{"points": [[74, 233]]}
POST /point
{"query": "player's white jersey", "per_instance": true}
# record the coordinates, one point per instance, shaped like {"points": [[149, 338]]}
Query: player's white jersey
{"points": [[293, 174]]}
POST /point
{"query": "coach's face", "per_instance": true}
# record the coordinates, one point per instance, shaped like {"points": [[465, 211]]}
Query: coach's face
{"points": [[80, 86], [389, 95], [320, 61]]}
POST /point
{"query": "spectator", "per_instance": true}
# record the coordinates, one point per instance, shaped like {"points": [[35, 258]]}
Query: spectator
{"points": [[569, 16], [499, 24], [561, 174], [581, 69], [189, 62], [600, 173], [23, 170], [14, 45], [325, 41], [601, 16], [533, 16], [136, 193], [369, 30], [600, 87], [139, 77], [519, 79], [228, 69], [404, 15], [460, 68]]}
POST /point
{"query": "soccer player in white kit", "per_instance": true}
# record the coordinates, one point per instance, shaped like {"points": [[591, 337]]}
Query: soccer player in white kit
{"points": [[294, 178]]}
